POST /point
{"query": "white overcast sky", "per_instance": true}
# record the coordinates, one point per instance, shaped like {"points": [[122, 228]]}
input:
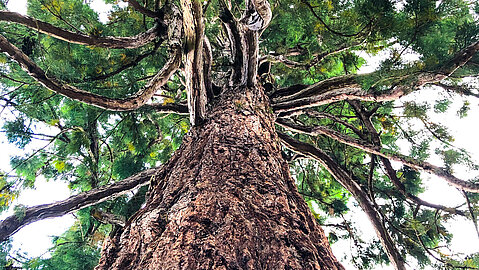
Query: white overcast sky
{"points": [[35, 239]]}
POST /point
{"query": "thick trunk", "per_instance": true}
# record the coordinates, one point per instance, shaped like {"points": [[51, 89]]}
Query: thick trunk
{"points": [[226, 201]]}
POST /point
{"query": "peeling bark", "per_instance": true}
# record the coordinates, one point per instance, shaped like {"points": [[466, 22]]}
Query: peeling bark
{"points": [[228, 202], [193, 27]]}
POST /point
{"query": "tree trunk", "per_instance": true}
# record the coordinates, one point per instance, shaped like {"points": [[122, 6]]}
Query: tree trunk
{"points": [[226, 201]]}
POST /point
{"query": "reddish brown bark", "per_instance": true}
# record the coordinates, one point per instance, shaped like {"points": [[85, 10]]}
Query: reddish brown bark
{"points": [[227, 201]]}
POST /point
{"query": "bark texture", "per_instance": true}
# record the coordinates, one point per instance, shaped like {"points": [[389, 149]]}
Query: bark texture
{"points": [[225, 200]]}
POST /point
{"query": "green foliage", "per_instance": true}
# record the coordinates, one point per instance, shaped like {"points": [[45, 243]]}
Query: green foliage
{"points": [[17, 132], [88, 147]]}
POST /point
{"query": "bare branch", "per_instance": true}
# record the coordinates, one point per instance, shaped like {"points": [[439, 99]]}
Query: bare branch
{"points": [[13, 223], [71, 37], [126, 104]]}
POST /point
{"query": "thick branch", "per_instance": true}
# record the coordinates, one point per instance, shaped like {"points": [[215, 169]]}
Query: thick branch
{"points": [[12, 224], [195, 86], [107, 42], [348, 88], [72, 92], [346, 181], [377, 150], [322, 87]]}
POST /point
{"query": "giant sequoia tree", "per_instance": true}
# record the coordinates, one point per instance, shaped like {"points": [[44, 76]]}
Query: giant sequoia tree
{"points": [[179, 125]]}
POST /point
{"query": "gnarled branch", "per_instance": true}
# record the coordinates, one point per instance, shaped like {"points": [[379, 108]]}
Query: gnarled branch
{"points": [[348, 88], [68, 36], [126, 104], [13, 223]]}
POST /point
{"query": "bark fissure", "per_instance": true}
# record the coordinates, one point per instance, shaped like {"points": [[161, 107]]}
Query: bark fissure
{"points": [[228, 202]]}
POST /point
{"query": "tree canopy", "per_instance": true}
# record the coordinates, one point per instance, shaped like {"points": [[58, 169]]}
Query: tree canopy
{"points": [[110, 101]]}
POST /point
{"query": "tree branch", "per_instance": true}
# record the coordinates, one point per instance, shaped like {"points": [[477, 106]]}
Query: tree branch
{"points": [[347, 182], [132, 63], [348, 88], [237, 43], [13, 223], [194, 28], [390, 172], [71, 37], [377, 150], [126, 104]]}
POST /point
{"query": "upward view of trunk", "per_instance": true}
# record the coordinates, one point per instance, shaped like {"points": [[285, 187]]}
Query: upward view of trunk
{"points": [[226, 200]]}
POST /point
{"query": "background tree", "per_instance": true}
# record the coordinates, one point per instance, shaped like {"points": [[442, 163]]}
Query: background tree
{"points": [[226, 198]]}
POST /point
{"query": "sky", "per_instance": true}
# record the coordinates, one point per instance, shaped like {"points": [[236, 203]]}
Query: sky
{"points": [[36, 238]]}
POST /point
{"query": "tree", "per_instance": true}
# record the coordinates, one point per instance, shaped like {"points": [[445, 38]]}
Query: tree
{"points": [[251, 76]]}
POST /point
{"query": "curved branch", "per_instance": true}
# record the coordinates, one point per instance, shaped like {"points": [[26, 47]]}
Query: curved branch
{"points": [[347, 182], [13, 223], [126, 104], [348, 88], [379, 151], [71, 37]]}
